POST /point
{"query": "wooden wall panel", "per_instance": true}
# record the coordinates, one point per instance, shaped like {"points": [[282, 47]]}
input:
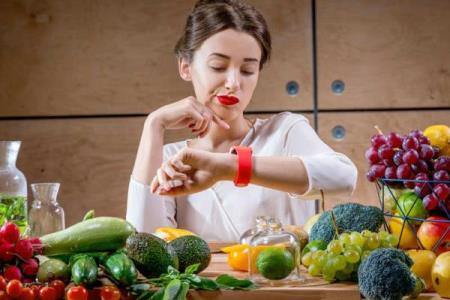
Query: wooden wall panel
{"points": [[359, 128], [82, 57], [290, 24], [91, 158], [388, 53]]}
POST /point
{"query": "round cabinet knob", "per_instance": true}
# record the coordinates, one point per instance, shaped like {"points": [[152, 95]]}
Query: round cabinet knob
{"points": [[338, 87], [292, 88], [338, 132]]}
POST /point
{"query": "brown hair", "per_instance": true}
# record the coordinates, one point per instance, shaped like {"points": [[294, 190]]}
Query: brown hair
{"points": [[212, 16]]}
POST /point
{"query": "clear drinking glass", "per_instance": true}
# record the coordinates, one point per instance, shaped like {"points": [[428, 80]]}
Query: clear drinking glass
{"points": [[46, 215], [13, 187]]}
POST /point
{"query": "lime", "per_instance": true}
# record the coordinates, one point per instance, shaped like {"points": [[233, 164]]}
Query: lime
{"points": [[313, 246], [275, 263]]}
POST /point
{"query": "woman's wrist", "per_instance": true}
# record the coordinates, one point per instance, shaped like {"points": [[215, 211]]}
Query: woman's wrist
{"points": [[227, 166], [154, 123]]}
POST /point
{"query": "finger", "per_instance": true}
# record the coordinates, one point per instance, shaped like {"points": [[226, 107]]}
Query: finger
{"points": [[203, 126], [220, 122], [180, 166], [177, 191], [162, 178], [154, 185], [205, 131], [188, 183], [197, 117], [176, 183], [172, 173]]}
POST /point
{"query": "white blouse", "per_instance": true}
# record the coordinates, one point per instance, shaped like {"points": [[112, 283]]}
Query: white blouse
{"points": [[223, 212]]}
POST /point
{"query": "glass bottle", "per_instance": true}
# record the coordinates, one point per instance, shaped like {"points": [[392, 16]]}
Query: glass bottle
{"points": [[274, 256], [46, 215], [13, 187]]}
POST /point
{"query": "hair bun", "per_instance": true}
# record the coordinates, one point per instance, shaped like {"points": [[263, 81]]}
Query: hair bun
{"points": [[201, 3]]}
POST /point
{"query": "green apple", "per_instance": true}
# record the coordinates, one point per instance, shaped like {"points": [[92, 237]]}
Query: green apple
{"points": [[390, 194], [409, 204]]}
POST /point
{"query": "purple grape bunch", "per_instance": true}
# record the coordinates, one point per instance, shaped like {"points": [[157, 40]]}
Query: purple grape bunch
{"points": [[411, 157]]}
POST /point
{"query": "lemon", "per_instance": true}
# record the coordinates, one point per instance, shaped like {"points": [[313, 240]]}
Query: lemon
{"points": [[423, 263], [310, 223], [439, 135], [275, 263], [408, 239]]}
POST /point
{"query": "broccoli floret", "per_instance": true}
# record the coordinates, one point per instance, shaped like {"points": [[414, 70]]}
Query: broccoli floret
{"points": [[385, 275], [349, 217]]}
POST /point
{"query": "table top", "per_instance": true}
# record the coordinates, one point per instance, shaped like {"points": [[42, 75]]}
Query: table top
{"points": [[312, 288]]}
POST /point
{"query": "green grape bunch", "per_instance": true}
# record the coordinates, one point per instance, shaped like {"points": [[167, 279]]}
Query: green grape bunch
{"points": [[341, 259]]}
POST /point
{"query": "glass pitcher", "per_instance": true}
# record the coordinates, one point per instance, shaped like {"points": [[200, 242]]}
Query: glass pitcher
{"points": [[13, 187], [46, 215]]}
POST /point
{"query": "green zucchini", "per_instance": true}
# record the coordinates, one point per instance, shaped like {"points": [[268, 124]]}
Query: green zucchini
{"points": [[84, 271], [121, 268], [89, 215], [96, 234]]}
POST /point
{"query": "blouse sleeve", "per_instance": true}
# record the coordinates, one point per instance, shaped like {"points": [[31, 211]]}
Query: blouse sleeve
{"points": [[327, 170], [147, 211]]}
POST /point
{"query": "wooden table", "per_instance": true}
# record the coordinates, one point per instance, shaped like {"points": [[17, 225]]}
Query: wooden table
{"points": [[313, 288]]}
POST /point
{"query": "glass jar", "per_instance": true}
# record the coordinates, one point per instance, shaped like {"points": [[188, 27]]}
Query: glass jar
{"points": [[13, 187], [261, 223], [46, 215], [274, 256]]}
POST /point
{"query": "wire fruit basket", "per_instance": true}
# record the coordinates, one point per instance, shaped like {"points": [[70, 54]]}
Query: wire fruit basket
{"points": [[410, 216]]}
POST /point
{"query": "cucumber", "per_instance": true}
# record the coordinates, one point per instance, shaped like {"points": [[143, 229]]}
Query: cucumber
{"points": [[84, 271], [96, 234], [121, 268]]}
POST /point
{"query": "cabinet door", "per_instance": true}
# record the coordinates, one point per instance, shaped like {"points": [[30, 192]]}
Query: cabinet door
{"points": [[113, 57], [91, 158], [290, 26], [388, 54], [350, 134]]}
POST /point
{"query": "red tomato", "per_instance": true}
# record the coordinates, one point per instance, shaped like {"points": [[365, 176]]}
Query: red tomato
{"points": [[48, 293], [59, 286], [27, 294], [109, 293], [77, 293], [14, 288], [36, 288], [4, 296], [2, 283]]}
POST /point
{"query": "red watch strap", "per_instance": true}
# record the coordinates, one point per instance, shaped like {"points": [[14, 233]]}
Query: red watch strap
{"points": [[244, 172]]}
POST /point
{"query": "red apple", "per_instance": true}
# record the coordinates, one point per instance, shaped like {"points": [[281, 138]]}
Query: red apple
{"points": [[431, 231]]}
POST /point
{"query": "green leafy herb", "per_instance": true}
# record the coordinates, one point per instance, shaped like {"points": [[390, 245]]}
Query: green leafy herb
{"points": [[226, 281], [175, 285]]}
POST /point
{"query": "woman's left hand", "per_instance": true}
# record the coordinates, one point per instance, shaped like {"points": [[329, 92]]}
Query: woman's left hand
{"points": [[191, 171]]}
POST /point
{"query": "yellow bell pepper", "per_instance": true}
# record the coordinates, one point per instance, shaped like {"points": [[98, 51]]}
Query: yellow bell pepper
{"points": [[169, 233]]}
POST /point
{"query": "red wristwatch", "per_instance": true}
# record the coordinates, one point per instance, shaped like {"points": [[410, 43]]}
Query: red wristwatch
{"points": [[244, 171]]}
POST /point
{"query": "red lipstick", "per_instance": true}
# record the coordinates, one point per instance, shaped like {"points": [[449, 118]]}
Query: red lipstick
{"points": [[228, 100]]}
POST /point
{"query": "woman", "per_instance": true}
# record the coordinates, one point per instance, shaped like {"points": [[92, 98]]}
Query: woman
{"points": [[198, 184]]}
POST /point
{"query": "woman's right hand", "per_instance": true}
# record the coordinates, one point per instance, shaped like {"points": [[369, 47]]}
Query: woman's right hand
{"points": [[187, 113]]}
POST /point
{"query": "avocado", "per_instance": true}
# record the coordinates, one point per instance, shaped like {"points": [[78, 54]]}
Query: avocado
{"points": [[191, 250], [151, 255]]}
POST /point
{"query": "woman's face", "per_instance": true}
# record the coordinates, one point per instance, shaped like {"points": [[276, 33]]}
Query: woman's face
{"points": [[227, 63]]}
